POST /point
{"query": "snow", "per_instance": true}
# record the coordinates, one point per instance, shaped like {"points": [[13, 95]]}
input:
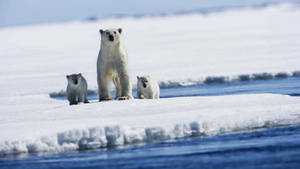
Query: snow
{"points": [[186, 47], [55, 127], [175, 50]]}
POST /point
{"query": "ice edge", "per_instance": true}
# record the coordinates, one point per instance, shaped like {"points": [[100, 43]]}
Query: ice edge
{"points": [[209, 80], [114, 136]]}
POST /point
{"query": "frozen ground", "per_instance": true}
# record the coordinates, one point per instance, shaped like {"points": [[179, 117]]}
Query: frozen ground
{"points": [[176, 50]]}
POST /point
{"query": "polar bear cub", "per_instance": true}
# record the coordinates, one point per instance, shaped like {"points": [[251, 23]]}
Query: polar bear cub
{"points": [[112, 65], [147, 88], [76, 89]]}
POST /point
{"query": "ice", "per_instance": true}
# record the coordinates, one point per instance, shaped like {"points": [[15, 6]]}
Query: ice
{"points": [[237, 45], [181, 49], [108, 124], [225, 79]]}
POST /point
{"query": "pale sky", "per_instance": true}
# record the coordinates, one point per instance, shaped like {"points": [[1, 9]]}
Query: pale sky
{"points": [[20, 12]]}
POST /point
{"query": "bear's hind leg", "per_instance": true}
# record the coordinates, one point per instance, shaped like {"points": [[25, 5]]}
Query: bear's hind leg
{"points": [[156, 96], [85, 98]]}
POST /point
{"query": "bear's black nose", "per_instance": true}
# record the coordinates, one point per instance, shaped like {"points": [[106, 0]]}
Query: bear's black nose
{"points": [[75, 81], [144, 85], [111, 38]]}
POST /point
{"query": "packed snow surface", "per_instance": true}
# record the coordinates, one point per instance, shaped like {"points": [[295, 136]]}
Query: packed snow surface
{"points": [[55, 127], [245, 44]]}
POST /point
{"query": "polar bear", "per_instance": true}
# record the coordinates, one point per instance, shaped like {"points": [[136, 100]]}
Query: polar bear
{"points": [[76, 89], [112, 65], [147, 88]]}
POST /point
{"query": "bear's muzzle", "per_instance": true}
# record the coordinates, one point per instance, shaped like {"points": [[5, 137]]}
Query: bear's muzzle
{"points": [[111, 38]]}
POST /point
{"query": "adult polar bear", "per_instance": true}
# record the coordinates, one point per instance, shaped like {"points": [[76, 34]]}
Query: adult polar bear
{"points": [[112, 65]]}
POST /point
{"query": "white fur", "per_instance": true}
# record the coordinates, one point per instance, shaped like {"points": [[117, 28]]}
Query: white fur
{"points": [[77, 92], [151, 91], [112, 65]]}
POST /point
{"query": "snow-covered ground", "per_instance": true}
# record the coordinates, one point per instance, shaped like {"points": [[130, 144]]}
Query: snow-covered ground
{"points": [[55, 126], [182, 49]]}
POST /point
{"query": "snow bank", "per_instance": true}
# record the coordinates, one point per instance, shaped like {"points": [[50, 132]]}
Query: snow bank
{"points": [[100, 125]]}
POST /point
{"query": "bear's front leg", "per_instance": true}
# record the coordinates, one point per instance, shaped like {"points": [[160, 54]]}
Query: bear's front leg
{"points": [[72, 99], [83, 98], [151, 96], [117, 84], [142, 96], [103, 91], [139, 94], [126, 92]]}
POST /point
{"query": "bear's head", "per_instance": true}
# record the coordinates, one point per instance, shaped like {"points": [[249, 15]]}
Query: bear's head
{"points": [[110, 35], [74, 79], [142, 81]]}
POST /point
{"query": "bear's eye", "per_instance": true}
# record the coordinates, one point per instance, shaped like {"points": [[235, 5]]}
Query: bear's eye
{"points": [[115, 32]]}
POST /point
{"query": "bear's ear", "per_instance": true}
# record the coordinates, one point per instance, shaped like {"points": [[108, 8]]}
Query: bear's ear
{"points": [[67, 76], [120, 30], [79, 74], [138, 78], [101, 31]]}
